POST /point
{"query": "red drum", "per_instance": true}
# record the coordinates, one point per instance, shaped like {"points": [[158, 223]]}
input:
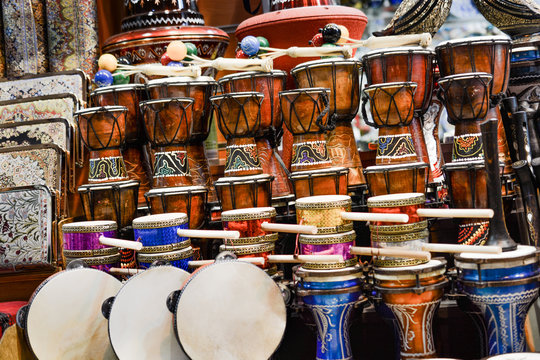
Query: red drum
{"points": [[405, 203], [127, 95], [397, 178], [190, 200], [331, 181], [244, 192], [414, 294], [248, 221], [324, 212], [252, 250]]}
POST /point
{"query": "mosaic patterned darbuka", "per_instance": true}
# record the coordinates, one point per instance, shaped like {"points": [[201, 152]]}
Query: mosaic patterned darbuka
{"points": [[26, 215]]}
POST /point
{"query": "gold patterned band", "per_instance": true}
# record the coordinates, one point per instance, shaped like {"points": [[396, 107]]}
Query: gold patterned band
{"points": [[273, 237], [249, 249], [399, 229], [167, 256], [98, 260], [165, 248], [328, 266], [90, 253]]}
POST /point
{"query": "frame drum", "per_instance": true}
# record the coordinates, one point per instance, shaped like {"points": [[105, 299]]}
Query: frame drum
{"points": [[63, 318], [140, 325], [217, 316]]}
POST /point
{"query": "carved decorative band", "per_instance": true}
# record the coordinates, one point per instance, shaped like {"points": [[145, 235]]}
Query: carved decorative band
{"points": [[395, 146], [242, 158], [310, 153], [468, 147], [108, 168], [171, 163]]}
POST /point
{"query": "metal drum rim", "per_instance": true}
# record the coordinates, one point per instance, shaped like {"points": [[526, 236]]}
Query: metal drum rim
{"points": [[438, 267], [167, 256], [394, 200], [254, 213], [91, 226], [249, 249], [327, 239], [157, 221]]}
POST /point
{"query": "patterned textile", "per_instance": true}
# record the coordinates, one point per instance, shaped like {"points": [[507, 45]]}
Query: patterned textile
{"points": [[39, 108], [50, 131]]}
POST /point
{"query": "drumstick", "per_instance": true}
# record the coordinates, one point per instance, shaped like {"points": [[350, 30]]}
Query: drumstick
{"points": [[125, 271], [126, 244], [394, 252], [158, 69], [297, 51], [456, 213], [304, 258], [364, 216], [208, 234], [289, 228], [377, 42], [252, 260], [451, 248]]}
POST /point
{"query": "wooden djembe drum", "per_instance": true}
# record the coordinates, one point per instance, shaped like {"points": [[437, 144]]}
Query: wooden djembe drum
{"points": [[305, 113], [270, 130], [397, 169], [342, 78], [244, 184]]}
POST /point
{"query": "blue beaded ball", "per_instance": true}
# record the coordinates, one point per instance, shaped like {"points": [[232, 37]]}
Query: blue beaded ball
{"points": [[250, 45], [175, 64], [103, 78]]}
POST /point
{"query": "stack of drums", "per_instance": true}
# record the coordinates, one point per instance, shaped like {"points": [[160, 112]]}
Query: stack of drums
{"points": [[330, 290], [158, 235], [253, 240], [81, 242]]}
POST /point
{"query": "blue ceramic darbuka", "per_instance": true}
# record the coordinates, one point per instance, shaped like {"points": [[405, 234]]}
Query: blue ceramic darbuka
{"points": [[160, 229], [331, 295], [503, 287]]}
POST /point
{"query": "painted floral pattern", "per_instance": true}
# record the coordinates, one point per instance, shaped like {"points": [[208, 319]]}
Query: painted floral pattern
{"points": [[32, 133], [62, 83], [24, 37], [72, 35], [25, 220]]}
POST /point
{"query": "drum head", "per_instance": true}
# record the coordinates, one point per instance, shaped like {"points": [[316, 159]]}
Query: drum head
{"points": [[230, 310], [140, 325], [516, 356], [64, 317]]}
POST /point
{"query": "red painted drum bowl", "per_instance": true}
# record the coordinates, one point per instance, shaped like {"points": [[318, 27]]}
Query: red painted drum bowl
{"points": [[147, 45], [295, 27], [248, 221]]}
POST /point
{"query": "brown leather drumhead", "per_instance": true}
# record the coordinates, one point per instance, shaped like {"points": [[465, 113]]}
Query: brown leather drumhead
{"points": [[230, 310]]}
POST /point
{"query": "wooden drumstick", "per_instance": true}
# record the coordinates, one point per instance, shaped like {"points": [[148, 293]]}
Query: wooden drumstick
{"points": [[456, 213], [393, 252], [364, 216], [160, 70], [304, 258], [297, 51], [452, 248], [126, 244], [378, 42], [125, 271], [289, 228], [252, 260], [208, 234]]}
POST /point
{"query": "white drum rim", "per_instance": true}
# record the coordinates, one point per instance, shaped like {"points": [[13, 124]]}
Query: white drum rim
{"points": [[381, 168], [105, 186], [411, 84], [92, 226], [477, 40], [399, 50], [107, 89], [241, 179], [157, 221], [404, 272], [411, 198], [344, 273], [202, 80], [309, 90], [178, 190], [468, 75], [324, 201], [319, 172], [325, 62], [98, 109], [249, 74], [515, 356], [166, 100], [464, 165], [279, 317], [253, 213], [166, 270], [238, 94], [522, 250]]}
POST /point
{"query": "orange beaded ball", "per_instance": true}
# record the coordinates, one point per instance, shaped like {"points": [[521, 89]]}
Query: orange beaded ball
{"points": [[177, 50]]}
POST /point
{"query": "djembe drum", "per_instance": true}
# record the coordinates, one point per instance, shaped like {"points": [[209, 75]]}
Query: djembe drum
{"points": [[270, 129], [466, 97], [413, 294], [412, 64], [244, 191], [103, 132], [331, 295], [342, 78], [200, 89], [168, 125], [397, 178], [466, 182]]}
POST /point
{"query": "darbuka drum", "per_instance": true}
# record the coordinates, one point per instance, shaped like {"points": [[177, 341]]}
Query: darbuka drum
{"points": [[158, 234], [414, 294], [467, 189], [401, 239], [115, 201], [403, 203], [503, 287], [248, 221], [127, 95], [490, 54], [103, 131], [244, 192], [324, 212], [101, 262], [190, 200], [397, 178], [143, 329], [237, 310], [65, 301], [328, 244], [251, 250], [82, 238], [331, 181], [331, 295], [177, 258]]}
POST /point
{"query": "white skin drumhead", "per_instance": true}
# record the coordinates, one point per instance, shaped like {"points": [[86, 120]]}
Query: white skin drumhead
{"points": [[230, 310], [64, 318], [140, 324]]}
